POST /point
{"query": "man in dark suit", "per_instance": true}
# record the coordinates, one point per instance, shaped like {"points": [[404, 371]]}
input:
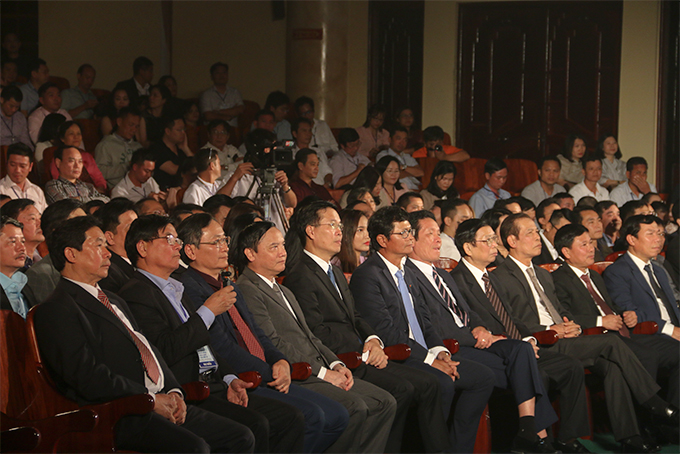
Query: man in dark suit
{"points": [[544, 210], [530, 292], [477, 243], [637, 284], [388, 298], [181, 333], [261, 256], [12, 258], [513, 361], [235, 336], [588, 218], [95, 352], [324, 296], [116, 217], [139, 85]]}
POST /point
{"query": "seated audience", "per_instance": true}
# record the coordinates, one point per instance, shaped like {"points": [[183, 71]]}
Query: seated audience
{"points": [[307, 167], [114, 152], [218, 135], [14, 128], [589, 187], [140, 83], [119, 100], [611, 222], [279, 103], [496, 174], [510, 204], [192, 122], [651, 197], [150, 205], [153, 117], [93, 206], [355, 241], [171, 151], [264, 119], [613, 168], [410, 202], [440, 186], [571, 171], [50, 102], [367, 178], [69, 162], [635, 207], [174, 104], [221, 102], [171, 83], [546, 185], [527, 206], [219, 206], [11, 51], [636, 186], [374, 138], [301, 129], [79, 101], [433, 137], [347, 163], [588, 218], [69, 133], [565, 200], [409, 167], [544, 212], [362, 195], [207, 182], [322, 136], [138, 182], [16, 184], [12, 258], [405, 118], [39, 75], [389, 169], [25, 211], [8, 73], [453, 213], [115, 219], [494, 218], [587, 201]]}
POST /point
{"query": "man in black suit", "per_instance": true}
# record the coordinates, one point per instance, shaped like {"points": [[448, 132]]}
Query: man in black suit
{"points": [[513, 361], [388, 298], [530, 292], [139, 85], [321, 289], [95, 352], [116, 217], [236, 337], [12, 258], [168, 318], [590, 219], [544, 210], [477, 243]]}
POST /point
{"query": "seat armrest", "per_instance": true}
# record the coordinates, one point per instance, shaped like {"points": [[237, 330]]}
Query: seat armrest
{"points": [[452, 345], [300, 371], [196, 391], [398, 352], [646, 328], [547, 337], [351, 359], [251, 376]]}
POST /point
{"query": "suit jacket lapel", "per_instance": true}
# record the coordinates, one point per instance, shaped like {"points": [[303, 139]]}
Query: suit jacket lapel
{"points": [[521, 278], [273, 295], [479, 294], [637, 275]]}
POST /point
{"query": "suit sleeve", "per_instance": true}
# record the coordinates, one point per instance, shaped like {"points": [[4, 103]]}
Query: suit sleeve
{"points": [[513, 293], [618, 280]]}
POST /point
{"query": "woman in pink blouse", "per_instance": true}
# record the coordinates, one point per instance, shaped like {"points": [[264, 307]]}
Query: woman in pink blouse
{"points": [[374, 138], [70, 134]]}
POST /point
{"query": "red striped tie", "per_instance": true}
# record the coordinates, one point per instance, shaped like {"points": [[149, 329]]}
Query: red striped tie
{"points": [[253, 346]]}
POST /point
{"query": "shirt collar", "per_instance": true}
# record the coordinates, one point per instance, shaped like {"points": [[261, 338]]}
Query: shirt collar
{"points": [[426, 268], [91, 289], [18, 279], [390, 266], [122, 138], [319, 261], [269, 282], [476, 272], [638, 261], [578, 272], [140, 87], [521, 265], [161, 283]]}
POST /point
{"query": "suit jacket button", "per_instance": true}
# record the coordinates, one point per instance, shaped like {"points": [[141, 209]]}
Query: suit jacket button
{"points": [[318, 358]]}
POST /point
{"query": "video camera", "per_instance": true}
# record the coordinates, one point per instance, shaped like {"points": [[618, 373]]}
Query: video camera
{"points": [[265, 152]]}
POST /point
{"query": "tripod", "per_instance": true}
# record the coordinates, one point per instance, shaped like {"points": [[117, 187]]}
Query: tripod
{"points": [[267, 192]]}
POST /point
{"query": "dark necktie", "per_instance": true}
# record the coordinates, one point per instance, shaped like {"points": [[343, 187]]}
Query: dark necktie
{"points": [[450, 302], [600, 302], [150, 365], [660, 294], [252, 344], [510, 327], [545, 301]]}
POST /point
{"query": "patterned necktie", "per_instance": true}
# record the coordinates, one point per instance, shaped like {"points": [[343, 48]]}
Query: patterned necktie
{"points": [[600, 302], [150, 365], [450, 302], [252, 344], [660, 294], [510, 327], [545, 301], [410, 310]]}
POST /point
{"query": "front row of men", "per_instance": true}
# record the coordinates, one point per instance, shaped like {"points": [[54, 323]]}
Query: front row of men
{"points": [[159, 332]]}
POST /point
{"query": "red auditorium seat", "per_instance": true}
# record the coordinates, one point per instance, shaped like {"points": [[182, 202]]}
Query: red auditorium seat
{"points": [[521, 173]]}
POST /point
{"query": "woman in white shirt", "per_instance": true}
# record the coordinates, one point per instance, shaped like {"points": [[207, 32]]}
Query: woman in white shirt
{"points": [[613, 168]]}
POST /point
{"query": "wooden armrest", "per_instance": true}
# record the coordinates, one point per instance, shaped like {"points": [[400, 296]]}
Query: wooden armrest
{"points": [[398, 352], [351, 359], [20, 439], [646, 328], [594, 331], [547, 337], [251, 376], [300, 371], [196, 391], [139, 404], [452, 345]]}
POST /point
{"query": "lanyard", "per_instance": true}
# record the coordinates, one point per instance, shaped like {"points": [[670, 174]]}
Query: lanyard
{"points": [[10, 126]]}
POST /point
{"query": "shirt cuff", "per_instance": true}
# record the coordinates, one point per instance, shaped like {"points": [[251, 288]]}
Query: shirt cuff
{"points": [[322, 373], [229, 378], [599, 321], [528, 338], [667, 329], [206, 315], [375, 337], [176, 390], [433, 353]]}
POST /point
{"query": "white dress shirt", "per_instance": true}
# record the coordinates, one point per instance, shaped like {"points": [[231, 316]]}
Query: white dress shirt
{"points": [[581, 190], [448, 248], [200, 190], [126, 188], [544, 317], [31, 191]]}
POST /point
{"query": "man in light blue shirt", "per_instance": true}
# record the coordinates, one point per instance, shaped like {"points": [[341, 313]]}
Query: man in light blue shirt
{"points": [[12, 257], [496, 174], [40, 74]]}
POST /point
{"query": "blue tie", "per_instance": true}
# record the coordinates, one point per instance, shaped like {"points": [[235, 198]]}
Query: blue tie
{"points": [[332, 276], [410, 310]]}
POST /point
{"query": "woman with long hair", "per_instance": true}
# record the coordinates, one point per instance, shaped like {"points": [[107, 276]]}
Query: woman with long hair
{"points": [[119, 99], [367, 178], [613, 167], [571, 172], [441, 184], [355, 241], [389, 169], [151, 125], [374, 137]]}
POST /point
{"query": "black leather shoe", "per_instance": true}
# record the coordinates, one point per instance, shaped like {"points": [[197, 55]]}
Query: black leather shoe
{"points": [[571, 446], [671, 416], [537, 445], [637, 445]]}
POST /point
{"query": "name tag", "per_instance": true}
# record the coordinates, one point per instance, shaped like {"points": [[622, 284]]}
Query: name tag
{"points": [[206, 360]]}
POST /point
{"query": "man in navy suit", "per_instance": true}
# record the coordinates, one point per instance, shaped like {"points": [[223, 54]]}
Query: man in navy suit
{"points": [[637, 284], [238, 339], [388, 298], [513, 361]]}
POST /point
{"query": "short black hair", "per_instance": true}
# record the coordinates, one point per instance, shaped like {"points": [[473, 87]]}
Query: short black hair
{"points": [[545, 203], [433, 133], [128, 110], [263, 112], [168, 121], [382, 223], [57, 213], [450, 207], [405, 198], [578, 216], [71, 233], [140, 64], [190, 231], [296, 238], [493, 165], [20, 149], [217, 123], [203, 158], [503, 203], [635, 161], [603, 206], [524, 203], [301, 101], [108, 214], [213, 204], [250, 238], [141, 155], [566, 235], [633, 224], [295, 123], [6, 220], [417, 216], [13, 208], [35, 64], [562, 213], [83, 67], [590, 157], [144, 228], [275, 99], [398, 128], [587, 201], [347, 135], [216, 65], [467, 232], [545, 159], [59, 152], [628, 208], [562, 195], [493, 217], [647, 197], [12, 92], [46, 86], [94, 203], [510, 227]]}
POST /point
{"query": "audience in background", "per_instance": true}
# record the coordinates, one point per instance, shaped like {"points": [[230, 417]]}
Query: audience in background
{"points": [[435, 148], [589, 187], [571, 172], [496, 174], [114, 152], [221, 101], [69, 133], [374, 137], [453, 213], [546, 185], [79, 101], [636, 185], [565, 200], [410, 202], [39, 75], [440, 186], [69, 162], [302, 132], [16, 184], [613, 168], [218, 135], [346, 163], [118, 99], [305, 170], [322, 136], [49, 98], [171, 151], [389, 168], [140, 83], [14, 128], [278, 102], [405, 118], [410, 169]]}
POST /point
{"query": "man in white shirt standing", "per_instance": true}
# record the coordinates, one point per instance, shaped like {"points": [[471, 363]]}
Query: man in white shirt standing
{"points": [[322, 136], [221, 102], [16, 184], [592, 171]]}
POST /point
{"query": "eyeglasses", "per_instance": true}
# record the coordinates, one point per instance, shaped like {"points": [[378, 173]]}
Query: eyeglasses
{"points": [[171, 239], [405, 233], [333, 225], [219, 242], [492, 240]]}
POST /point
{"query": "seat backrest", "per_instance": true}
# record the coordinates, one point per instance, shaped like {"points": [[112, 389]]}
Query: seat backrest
{"points": [[61, 82], [470, 175], [92, 134], [599, 267], [550, 266], [245, 120], [3, 160], [12, 359], [48, 157], [521, 173], [614, 255]]}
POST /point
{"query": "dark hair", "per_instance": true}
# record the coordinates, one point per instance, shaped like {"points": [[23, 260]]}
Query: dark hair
{"points": [[61, 131], [566, 235], [83, 67], [187, 207], [628, 208], [354, 204], [164, 91], [34, 64], [433, 133], [405, 199], [569, 145], [263, 112], [545, 159], [6, 220], [660, 207], [347, 135], [301, 157], [166, 78], [141, 155], [250, 238], [503, 203], [216, 123], [144, 228], [13, 208], [20, 149], [467, 232], [213, 204], [58, 212], [587, 201], [368, 178], [219, 64], [168, 122], [235, 226], [493, 217], [276, 99], [562, 213], [577, 212], [635, 161], [632, 225], [440, 169], [203, 158], [128, 110], [12, 92], [647, 197], [381, 167], [562, 195], [545, 203], [590, 157], [59, 152], [398, 128], [493, 165], [95, 203], [190, 231], [382, 223], [600, 146], [347, 255], [510, 227], [238, 209], [296, 238], [108, 214], [603, 206], [71, 233], [374, 111], [49, 130], [46, 86], [140, 64], [417, 216], [295, 123], [524, 203], [301, 101], [449, 208]]}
